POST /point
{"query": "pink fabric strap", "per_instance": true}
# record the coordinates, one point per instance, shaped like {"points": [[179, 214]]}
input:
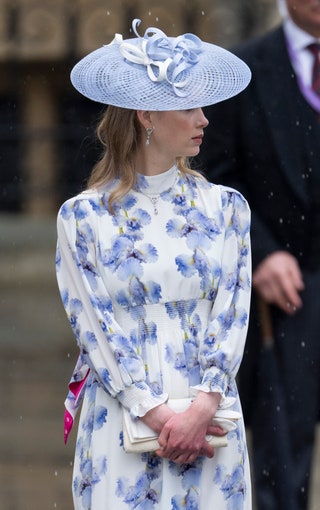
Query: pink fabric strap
{"points": [[68, 424], [75, 388]]}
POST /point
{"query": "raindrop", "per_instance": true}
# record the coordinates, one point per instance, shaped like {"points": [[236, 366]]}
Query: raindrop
{"points": [[56, 473], [303, 344], [280, 220]]}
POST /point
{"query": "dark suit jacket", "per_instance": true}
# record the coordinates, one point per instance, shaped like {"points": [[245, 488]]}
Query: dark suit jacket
{"points": [[265, 143], [256, 143]]}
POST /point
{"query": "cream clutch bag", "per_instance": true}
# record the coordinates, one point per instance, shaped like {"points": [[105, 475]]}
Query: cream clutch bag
{"points": [[139, 438]]}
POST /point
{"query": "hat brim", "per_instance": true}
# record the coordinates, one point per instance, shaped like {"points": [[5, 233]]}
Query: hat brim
{"points": [[106, 77]]}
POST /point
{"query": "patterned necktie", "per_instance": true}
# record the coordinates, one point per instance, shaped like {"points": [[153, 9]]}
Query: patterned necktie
{"points": [[315, 50]]}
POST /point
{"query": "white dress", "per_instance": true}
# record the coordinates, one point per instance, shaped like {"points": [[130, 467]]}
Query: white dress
{"points": [[158, 298]]}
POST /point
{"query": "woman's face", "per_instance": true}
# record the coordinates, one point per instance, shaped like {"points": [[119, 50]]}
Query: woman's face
{"points": [[306, 14], [178, 133]]}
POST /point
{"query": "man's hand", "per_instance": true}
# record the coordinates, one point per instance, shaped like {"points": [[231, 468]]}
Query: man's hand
{"points": [[278, 280]]}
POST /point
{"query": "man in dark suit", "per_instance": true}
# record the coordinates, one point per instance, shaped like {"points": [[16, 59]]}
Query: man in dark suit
{"points": [[266, 143]]}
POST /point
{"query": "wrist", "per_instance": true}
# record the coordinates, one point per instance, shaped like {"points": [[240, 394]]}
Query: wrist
{"points": [[206, 404], [157, 417]]}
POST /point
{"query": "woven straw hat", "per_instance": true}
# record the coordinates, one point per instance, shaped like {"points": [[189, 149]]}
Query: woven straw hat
{"points": [[159, 73]]}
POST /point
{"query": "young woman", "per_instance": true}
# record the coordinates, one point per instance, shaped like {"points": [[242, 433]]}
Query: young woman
{"points": [[153, 266]]}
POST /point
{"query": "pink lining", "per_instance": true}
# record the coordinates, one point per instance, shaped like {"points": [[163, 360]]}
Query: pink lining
{"points": [[75, 388]]}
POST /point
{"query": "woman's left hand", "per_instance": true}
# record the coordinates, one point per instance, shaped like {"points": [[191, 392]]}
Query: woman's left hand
{"points": [[183, 436]]}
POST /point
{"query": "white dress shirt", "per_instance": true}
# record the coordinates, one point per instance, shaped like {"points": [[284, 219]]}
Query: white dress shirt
{"points": [[302, 59]]}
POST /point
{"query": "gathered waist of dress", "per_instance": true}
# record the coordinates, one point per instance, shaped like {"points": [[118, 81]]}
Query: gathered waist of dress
{"points": [[164, 314]]}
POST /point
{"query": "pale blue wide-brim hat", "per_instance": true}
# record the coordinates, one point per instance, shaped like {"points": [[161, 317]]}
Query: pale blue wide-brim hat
{"points": [[160, 73]]}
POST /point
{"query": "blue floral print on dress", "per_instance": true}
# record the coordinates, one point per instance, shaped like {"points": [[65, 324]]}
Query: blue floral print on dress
{"points": [[159, 307]]}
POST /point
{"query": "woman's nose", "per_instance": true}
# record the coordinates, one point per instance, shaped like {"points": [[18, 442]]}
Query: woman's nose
{"points": [[203, 121]]}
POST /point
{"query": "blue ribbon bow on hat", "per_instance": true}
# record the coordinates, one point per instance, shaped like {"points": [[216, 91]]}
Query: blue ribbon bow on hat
{"points": [[165, 58]]}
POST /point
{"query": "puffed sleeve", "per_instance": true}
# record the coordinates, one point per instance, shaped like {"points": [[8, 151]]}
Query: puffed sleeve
{"points": [[223, 344], [104, 347]]}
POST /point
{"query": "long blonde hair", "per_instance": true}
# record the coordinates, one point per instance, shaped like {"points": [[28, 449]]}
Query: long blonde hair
{"points": [[120, 133]]}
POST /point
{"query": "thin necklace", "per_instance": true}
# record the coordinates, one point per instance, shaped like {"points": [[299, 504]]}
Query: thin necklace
{"points": [[154, 198]]}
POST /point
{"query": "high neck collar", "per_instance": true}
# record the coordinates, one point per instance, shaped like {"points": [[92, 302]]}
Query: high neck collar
{"points": [[156, 184]]}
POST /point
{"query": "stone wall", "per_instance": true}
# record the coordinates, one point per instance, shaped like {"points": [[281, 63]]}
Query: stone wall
{"points": [[40, 40]]}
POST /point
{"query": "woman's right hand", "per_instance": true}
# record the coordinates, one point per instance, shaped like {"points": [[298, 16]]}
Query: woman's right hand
{"points": [[183, 436], [183, 441]]}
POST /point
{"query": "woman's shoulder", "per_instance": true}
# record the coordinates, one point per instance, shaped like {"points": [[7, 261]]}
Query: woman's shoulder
{"points": [[232, 194], [235, 205], [232, 204], [84, 203], [220, 191], [235, 208]]}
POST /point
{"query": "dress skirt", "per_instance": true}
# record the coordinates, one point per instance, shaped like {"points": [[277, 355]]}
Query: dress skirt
{"points": [[145, 481]]}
